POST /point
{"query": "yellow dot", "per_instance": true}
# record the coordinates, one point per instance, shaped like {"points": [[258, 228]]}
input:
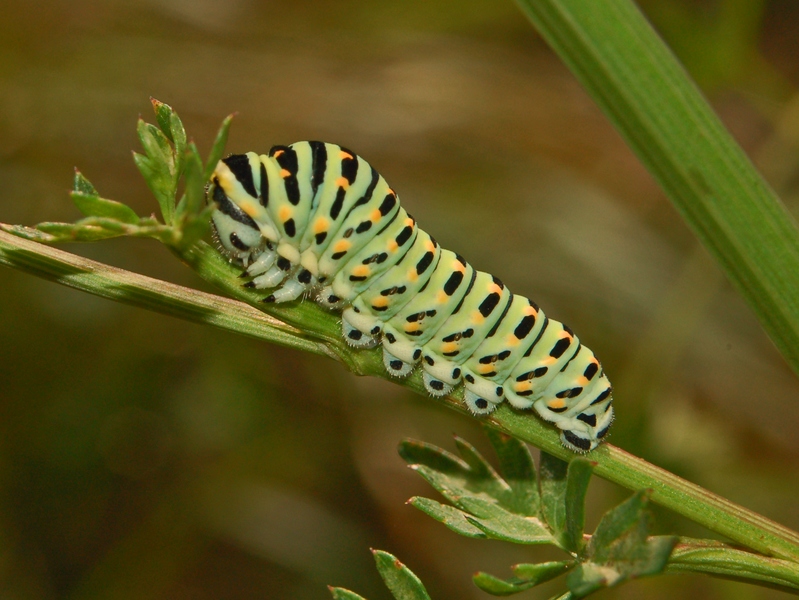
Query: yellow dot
{"points": [[284, 213], [279, 153], [441, 296], [413, 275], [486, 368], [477, 317], [250, 208], [342, 246], [343, 182], [522, 386], [411, 327], [556, 404], [430, 246], [361, 271], [449, 347], [380, 302], [346, 155], [375, 216], [320, 225], [284, 173], [392, 246], [512, 340]]}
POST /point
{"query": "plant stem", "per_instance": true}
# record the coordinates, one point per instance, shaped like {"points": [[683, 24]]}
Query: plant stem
{"points": [[306, 326]]}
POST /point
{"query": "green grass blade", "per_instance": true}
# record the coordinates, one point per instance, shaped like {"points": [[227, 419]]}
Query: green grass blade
{"points": [[642, 88]]}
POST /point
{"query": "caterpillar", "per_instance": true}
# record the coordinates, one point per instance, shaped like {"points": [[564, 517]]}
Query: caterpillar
{"points": [[314, 219]]}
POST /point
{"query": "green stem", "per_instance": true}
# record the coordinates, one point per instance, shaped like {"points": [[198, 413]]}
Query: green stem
{"points": [[720, 560], [138, 290], [306, 326]]}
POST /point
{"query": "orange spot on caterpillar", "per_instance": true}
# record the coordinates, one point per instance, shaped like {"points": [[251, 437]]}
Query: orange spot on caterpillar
{"points": [[279, 153], [285, 173], [375, 215], [361, 271], [522, 386], [380, 302], [557, 403], [477, 317], [441, 296], [250, 208], [342, 246], [346, 155], [342, 182], [284, 213], [320, 225], [392, 245], [450, 347]]}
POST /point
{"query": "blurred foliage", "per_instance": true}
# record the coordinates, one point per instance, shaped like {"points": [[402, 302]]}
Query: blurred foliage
{"points": [[144, 457]]}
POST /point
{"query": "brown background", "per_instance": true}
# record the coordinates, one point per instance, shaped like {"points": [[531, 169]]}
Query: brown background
{"points": [[144, 457]]}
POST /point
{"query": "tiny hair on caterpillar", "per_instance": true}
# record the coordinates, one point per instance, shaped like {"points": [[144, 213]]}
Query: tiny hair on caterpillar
{"points": [[315, 219]]}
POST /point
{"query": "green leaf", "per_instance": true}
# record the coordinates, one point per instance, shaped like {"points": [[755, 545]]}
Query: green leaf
{"points": [[542, 572], [527, 576], [399, 579], [218, 149], [195, 227], [448, 515], [158, 168], [83, 185], [473, 486], [342, 594], [552, 480], [193, 200], [94, 206], [501, 524], [500, 587], [578, 475], [518, 470], [620, 549], [486, 478], [170, 124], [628, 520], [614, 52]]}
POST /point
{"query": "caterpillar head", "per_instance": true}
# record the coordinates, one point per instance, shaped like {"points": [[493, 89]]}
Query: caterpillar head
{"points": [[235, 232]]}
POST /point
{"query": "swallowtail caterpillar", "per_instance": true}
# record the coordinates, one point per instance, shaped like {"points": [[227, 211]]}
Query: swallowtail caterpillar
{"points": [[314, 219]]}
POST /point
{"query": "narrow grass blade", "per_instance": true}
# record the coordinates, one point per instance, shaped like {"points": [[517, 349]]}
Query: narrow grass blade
{"points": [[642, 88]]}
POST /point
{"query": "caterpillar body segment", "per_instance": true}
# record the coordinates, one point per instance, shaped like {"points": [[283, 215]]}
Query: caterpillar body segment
{"points": [[314, 219]]}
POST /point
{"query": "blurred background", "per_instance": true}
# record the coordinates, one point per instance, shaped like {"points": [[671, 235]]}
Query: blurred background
{"points": [[146, 457]]}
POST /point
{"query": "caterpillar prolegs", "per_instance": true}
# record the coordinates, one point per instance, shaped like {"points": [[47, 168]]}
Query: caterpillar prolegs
{"points": [[314, 218]]}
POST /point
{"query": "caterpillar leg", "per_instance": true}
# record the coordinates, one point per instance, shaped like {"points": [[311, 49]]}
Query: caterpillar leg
{"points": [[261, 264], [396, 366], [477, 404], [440, 374], [329, 299], [272, 278], [435, 387], [360, 330]]}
